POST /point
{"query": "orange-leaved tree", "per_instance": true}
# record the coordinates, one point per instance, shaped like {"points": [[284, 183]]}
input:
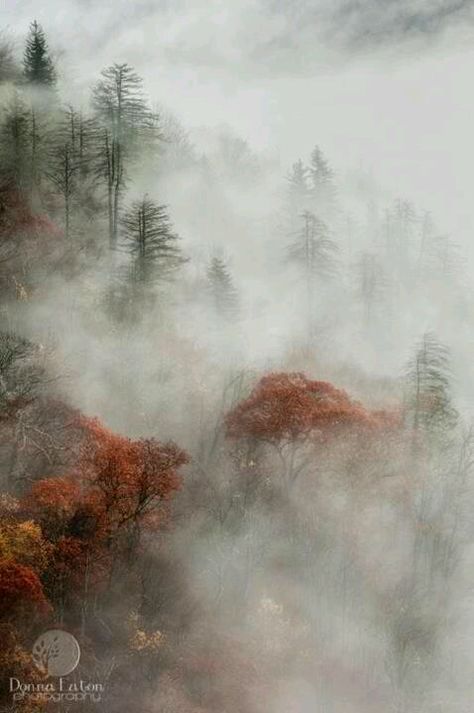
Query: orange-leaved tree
{"points": [[288, 410], [21, 593], [53, 502], [128, 482], [117, 485], [94, 517]]}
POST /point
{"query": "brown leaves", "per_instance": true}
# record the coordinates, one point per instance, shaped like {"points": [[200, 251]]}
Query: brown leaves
{"points": [[128, 479], [289, 406], [21, 592]]}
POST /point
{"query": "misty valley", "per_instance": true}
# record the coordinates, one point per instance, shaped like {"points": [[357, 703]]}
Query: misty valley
{"points": [[236, 434]]}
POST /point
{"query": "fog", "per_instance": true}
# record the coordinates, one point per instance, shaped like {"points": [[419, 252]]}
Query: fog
{"points": [[385, 85], [299, 323]]}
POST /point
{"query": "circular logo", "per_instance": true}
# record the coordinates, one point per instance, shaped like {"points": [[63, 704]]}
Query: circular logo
{"points": [[56, 652]]}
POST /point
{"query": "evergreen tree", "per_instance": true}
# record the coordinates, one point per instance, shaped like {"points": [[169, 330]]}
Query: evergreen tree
{"points": [[24, 146], [127, 125], [9, 72], [298, 179], [221, 289], [429, 405], [312, 247], [314, 252], [298, 191], [15, 143], [321, 175], [149, 239], [38, 67]]}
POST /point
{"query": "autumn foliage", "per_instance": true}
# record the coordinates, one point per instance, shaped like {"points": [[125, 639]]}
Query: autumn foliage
{"points": [[117, 482], [127, 480], [289, 406], [74, 537], [53, 502], [21, 592], [19, 218]]}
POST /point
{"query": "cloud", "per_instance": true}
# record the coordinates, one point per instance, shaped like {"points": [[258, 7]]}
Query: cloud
{"points": [[246, 37], [398, 20], [312, 30]]}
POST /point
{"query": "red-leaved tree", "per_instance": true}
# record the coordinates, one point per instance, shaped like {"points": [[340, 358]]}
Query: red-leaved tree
{"points": [[21, 593], [129, 482], [288, 410]]}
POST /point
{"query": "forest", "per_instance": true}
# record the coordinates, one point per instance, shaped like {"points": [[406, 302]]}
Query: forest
{"points": [[236, 450]]}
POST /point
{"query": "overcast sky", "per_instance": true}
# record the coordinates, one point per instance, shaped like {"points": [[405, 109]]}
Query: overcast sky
{"points": [[386, 84]]}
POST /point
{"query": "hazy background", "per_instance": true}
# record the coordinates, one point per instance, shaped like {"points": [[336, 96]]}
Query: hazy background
{"points": [[386, 85], [385, 88]]}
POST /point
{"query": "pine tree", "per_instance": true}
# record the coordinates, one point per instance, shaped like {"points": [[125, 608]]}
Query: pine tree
{"points": [[38, 67], [429, 405], [298, 191], [221, 289], [24, 146], [9, 72], [127, 125], [321, 174], [15, 143], [314, 252], [149, 239], [312, 247]]}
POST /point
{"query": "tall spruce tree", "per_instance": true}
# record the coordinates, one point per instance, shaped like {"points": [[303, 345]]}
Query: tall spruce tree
{"points": [[38, 67], [323, 189], [428, 377], [221, 290], [297, 192], [127, 125], [314, 252], [150, 240], [15, 143], [9, 71], [312, 247]]}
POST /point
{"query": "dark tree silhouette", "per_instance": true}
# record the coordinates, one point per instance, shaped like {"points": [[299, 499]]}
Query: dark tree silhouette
{"points": [[149, 238], [429, 404], [38, 67], [127, 123], [15, 143]]}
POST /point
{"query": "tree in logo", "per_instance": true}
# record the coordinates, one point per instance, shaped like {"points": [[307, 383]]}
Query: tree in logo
{"points": [[56, 652]]}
